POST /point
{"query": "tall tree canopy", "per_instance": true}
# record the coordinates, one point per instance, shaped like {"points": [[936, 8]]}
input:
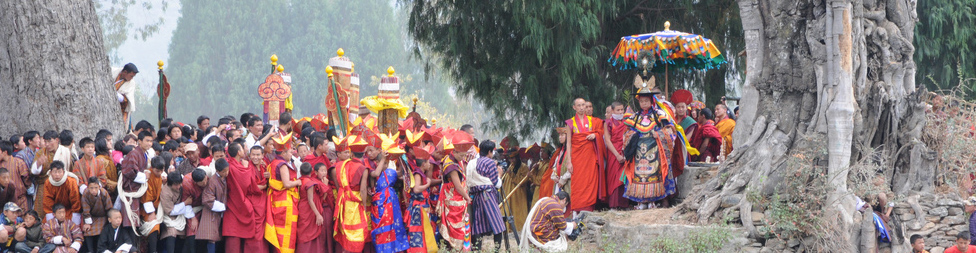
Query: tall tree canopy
{"points": [[943, 37], [222, 51], [527, 60]]}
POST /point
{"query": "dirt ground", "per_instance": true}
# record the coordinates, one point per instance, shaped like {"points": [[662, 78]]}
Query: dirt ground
{"points": [[642, 217]]}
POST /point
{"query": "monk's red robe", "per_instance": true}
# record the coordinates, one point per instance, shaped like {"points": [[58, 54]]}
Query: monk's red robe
{"points": [[588, 180], [259, 202], [706, 132], [312, 159], [615, 188], [239, 218]]}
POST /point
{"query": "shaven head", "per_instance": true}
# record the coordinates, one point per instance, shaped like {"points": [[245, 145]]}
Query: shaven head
{"points": [[579, 105]]}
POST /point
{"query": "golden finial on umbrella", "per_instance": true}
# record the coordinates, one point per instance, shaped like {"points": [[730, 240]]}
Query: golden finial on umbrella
{"points": [[160, 64], [281, 68], [340, 52], [328, 70], [390, 70], [274, 59], [667, 25]]}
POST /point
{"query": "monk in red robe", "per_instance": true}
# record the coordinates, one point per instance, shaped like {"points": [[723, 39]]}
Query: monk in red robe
{"points": [[280, 226], [259, 200], [585, 152], [706, 138], [613, 138], [239, 223], [351, 223]]}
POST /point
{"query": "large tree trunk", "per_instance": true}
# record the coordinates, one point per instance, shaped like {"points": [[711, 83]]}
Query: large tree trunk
{"points": [[54, 73], [835, 73]]}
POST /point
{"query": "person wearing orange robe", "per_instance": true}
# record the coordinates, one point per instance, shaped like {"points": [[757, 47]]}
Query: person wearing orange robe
{"points": [[154, 188], [550, 177], [585, 152], [62, 188], [351, 223], [280, 226], [613, 138], [725, 127]]}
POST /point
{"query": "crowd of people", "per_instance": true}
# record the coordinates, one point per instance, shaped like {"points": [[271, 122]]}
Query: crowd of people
{"points": [[295, 186]]}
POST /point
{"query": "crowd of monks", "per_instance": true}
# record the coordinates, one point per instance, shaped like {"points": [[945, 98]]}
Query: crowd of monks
{"points": [[296, 185]]}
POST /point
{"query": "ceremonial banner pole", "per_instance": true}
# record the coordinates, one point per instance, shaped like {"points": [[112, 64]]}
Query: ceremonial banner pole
{"points": [[335, 102], [274, 91], [162, 91]]}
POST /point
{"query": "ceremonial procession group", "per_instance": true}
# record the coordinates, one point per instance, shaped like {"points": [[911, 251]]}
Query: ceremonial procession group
{"points": [[341, 181]]}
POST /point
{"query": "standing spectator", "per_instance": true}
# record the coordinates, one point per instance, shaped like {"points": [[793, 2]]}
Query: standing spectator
{"points": [[725, 127], [214, 204], [486, 219], [172, 212]]}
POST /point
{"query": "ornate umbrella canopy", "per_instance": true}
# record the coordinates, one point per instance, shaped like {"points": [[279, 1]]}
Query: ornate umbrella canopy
{"points": [[656, 51]]}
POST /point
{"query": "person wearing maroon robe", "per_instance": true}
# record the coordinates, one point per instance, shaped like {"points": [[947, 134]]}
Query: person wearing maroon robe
{"points": [[706, 138], [192, 188], [319, 148], [588, 180], [133, 163], [613, 138], [243, 224]]}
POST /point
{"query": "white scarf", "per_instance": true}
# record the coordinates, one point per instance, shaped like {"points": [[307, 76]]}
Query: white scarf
{"points": [[63, 154], [67, 174], [473, 177], [126, 198], [558, 245]]}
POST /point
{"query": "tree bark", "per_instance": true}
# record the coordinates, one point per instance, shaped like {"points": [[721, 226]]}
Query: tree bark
{"points": [[833, 71], [54, 73]]}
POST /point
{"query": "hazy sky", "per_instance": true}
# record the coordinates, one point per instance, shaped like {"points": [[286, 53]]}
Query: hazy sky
{"points": [[146, 53]]}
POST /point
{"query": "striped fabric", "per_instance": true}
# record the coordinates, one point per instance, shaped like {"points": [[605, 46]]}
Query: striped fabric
{"points": [[548, 220], [487, 218]]}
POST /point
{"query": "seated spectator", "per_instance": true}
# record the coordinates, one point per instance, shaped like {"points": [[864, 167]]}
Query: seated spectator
{"points": [[547, 228], [9, 221], [64, 235], [29, 236]]}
